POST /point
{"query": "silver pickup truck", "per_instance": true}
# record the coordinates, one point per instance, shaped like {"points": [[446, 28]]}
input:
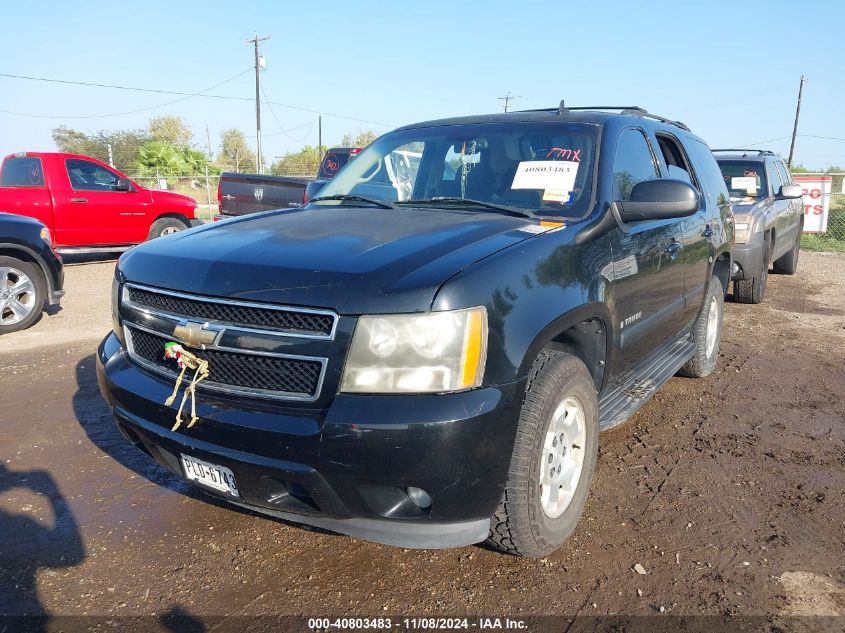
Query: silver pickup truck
{"points": [[768, 217]]}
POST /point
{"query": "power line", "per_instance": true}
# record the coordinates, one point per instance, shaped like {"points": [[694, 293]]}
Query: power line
{"points": [[279, 123], [187, 95], [171, 92]]}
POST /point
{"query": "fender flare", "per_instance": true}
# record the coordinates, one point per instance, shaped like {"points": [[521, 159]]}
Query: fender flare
{"points": [[36, 257]]}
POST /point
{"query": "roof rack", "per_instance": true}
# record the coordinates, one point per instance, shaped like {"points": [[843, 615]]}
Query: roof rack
{"points": [[630, 110], [746, 151]]}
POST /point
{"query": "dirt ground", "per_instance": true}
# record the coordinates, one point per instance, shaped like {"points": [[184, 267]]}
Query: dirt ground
{"points": [[728, 491]]}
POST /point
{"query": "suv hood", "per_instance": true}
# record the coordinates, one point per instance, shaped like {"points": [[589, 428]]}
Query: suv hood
{"points": [[745, 206], [349, 259]]}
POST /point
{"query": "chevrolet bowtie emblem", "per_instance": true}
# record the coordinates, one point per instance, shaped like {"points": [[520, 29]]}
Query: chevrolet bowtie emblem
{"points": [[196, 334]]}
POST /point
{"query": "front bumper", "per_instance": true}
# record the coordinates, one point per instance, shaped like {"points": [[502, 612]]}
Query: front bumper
{"points": [[748, 257], [346, 467]]}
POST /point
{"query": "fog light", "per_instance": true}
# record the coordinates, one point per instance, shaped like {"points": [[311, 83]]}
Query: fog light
{"points": [[420, 497]]}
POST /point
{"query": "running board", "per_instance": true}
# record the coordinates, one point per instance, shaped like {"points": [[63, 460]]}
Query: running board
{"points": [[620, 400], [91, 250]]}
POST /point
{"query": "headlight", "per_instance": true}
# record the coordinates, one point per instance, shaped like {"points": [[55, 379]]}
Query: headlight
{"points": [[742, 231], [115, 307], [417, 353]]}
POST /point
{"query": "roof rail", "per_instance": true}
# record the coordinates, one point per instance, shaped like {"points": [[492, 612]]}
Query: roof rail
{"points": [[630, 110], [746, 151]]}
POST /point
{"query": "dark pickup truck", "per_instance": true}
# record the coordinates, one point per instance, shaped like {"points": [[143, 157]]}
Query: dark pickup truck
{"points": [[241, 194], [425, 354]]}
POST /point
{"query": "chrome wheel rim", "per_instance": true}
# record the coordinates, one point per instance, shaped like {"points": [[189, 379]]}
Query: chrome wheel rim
{"points": [[712, 326], [562, 457], [170, 230], [17, 296]]}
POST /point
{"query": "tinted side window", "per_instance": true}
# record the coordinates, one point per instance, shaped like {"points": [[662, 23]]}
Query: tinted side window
{"points": [[25, 171], [785, 176], [774, 178], [87, 176], [632, 163], [712, 182], [676, 159]]}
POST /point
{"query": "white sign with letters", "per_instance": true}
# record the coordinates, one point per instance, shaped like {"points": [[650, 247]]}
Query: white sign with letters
{"points": [[558, 175], [816, 202]]}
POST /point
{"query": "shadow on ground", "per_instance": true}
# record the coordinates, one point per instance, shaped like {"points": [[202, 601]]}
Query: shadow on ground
{"points": [[29, 544]]}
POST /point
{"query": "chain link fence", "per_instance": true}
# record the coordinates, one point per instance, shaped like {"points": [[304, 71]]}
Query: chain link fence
{"points": [[833, 239]]}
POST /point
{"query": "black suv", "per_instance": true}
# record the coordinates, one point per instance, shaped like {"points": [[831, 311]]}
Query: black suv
{"points": [[768, 215], [425, 354], [31, 273]]}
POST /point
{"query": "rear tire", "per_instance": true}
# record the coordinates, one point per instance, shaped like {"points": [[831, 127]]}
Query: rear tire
{"points": [[707, 333], [787, 264], [23, 290], [166, 226], [754, 290], [553, 461]]}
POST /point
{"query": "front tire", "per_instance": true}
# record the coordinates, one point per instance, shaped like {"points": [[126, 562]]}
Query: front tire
{"points": [[23, 290], [553, 461], [707, 333], [787, 264], [754, 290], [166, 226]]}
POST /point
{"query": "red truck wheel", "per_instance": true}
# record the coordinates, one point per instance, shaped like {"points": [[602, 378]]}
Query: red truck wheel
{"points": [[166, 226]]}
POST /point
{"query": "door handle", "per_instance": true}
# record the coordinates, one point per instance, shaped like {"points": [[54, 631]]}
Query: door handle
{"points": [[79, 199], [708, 232], [673, 247]]}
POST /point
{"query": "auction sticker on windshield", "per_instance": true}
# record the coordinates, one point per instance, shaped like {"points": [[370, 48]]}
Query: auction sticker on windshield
{"points": [[556, 175], [218, 478]]}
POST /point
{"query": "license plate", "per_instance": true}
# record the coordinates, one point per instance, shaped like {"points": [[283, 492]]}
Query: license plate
{"points": [[213, 476]]}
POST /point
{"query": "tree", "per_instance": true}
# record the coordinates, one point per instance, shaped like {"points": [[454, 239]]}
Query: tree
{"points": [[362, 139], [235, 152], [305, 162], [125, 144], [171, 129], [163, 159]]}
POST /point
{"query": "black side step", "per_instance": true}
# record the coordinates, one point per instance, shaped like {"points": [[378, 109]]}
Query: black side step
{"points": [[621, 399]]}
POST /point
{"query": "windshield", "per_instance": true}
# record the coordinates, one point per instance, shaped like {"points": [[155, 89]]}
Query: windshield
{"points": [[545, 168], [744, 178]]}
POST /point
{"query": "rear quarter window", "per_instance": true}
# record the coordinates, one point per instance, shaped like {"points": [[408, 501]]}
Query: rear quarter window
{"points": [[23, 171], [711, 180]]}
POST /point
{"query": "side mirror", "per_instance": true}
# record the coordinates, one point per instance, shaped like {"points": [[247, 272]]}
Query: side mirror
{"points": [[123, 184], [790, 192], [659, 199]]}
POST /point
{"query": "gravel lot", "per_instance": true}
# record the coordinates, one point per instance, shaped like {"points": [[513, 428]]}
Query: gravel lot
{"points": [[729, 491]]}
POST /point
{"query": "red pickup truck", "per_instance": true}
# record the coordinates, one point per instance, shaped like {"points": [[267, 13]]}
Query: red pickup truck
{"points": [[86, 204]]}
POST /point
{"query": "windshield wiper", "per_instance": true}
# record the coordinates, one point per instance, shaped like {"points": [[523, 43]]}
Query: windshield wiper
{"points": [[446, 200], [348, 197]]}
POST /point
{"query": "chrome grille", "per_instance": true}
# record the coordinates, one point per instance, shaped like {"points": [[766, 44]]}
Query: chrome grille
{"points": [[297, 322], [274, 375]]}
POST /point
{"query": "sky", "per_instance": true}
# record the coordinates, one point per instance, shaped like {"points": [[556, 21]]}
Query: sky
{"points": [[729, 70]]}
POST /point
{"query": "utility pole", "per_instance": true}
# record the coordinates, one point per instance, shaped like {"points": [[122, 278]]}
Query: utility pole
{"points": [[208, 140], [506, 100], [795, 127], [258, 158], [320, 135]]}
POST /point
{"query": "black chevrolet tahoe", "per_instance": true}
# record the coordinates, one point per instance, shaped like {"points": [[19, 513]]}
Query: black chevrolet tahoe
{"points": [[424, 355]]}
